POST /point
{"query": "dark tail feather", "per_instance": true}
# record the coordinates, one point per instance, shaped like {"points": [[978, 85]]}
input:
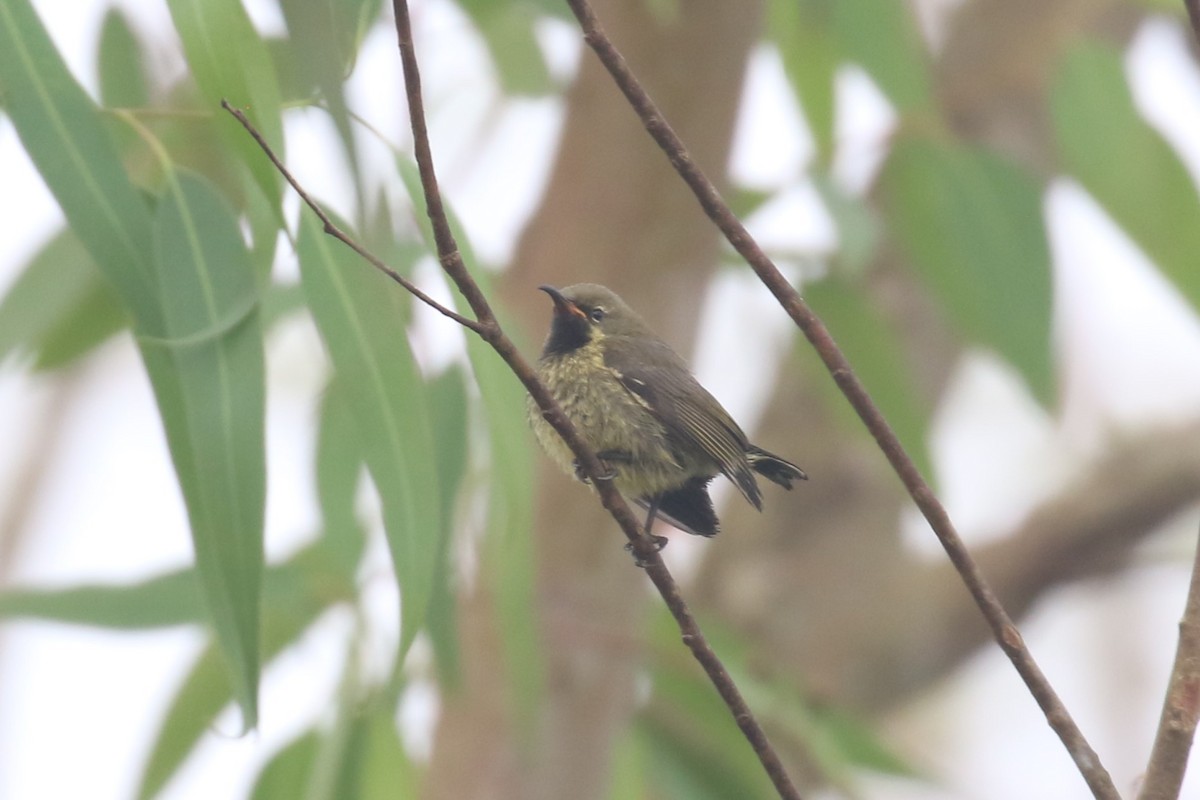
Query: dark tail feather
{"points": [[688, 508], [773, 468]]}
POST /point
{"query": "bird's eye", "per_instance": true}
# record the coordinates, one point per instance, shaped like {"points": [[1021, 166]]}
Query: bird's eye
{"points": [[597, 314]]}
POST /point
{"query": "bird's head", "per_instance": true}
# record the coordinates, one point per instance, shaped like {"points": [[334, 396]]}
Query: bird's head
{"points": [[586, 313]]}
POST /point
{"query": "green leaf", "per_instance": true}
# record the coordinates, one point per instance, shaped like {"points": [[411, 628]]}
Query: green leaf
{"points": [[972, 226], [285, 776], [448, 394], [91, 321], [857, 226], [59, 306], [1125, 164], [801, 29], [208, 379], [230, 61], [208, 373], [297, 592], [161, 601], [507, 28], [379, 763], [339, 466], [510, 493], [122, 73], [359, 315], [325, 37], [852, 742], [882, 36], [63, 135], [879, 361], [368, 763]]}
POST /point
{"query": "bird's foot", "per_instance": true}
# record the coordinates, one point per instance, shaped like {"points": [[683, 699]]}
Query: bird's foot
{"points": [[609, 473], [659, 543], [606, 458]]}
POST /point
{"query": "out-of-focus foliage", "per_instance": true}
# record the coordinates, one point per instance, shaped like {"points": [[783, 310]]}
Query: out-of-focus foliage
{"points": [[173, 215]]}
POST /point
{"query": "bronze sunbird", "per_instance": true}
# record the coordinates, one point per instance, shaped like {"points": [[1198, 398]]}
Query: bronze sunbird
{"points": [[658, 432]]}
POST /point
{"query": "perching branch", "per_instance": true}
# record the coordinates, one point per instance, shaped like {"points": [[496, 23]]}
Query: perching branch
{"points": [[487, 327], [1003, 628], [1181, 708], [640, 540]]}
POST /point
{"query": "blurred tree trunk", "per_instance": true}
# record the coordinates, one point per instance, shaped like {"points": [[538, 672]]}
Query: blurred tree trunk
{"points": [[613, 213]]}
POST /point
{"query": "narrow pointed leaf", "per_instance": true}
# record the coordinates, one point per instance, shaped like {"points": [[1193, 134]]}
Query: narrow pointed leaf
{"points": [[59, 303], [63, 135], [296, 593], [972, 225], [883, 37], [510, 494], [339, 467], [449, 395], [208, 372], [230, 61], [123, 81], [874, 350], [508, 31], [801, 29], [359, 315], [1127, 165], [161, 601], [285, 776]]}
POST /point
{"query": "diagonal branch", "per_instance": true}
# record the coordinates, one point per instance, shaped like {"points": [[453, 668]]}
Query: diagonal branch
{"points": [[640, 540], [488, 328], [1003, 628]]}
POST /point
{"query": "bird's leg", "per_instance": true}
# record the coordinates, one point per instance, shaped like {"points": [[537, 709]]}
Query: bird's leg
{"points": [[659, 541]]}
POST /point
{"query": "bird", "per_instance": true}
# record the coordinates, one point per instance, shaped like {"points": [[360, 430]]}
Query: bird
{"points": [[661, 436]]}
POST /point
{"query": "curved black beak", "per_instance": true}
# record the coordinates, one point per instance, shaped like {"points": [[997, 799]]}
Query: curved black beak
{"points": [[561, 304]]}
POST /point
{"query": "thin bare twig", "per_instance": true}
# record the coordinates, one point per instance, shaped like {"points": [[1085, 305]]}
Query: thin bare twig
{"points": [[1181, 708], [487, 327], [1003, 628], [337, 233]]}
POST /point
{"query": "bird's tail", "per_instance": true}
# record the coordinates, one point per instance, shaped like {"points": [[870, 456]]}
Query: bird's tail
{"points": [[773, 468]]}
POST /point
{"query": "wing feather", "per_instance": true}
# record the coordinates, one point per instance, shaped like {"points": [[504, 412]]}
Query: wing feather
{"points": [[659, 378]]}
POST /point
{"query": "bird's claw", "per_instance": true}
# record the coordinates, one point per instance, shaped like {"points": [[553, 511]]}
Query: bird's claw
{"points": [[609, 472], [659, 543]]}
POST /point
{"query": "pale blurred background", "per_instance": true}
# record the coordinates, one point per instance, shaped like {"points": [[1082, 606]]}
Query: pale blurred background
{"points": [[1073, 470]]}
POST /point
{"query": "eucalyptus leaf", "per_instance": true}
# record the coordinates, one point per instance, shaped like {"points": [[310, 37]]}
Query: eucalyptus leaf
{"points": [[123, 82], [62, 132], [509, 544], [971, 223], [230, 61], [508, 29], [297, 592], [1125, 164], [208, 371], [874, 349], [883, 37], [802, 31], [162, 601], [358, 313], [59, 307], [448, 394]]}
